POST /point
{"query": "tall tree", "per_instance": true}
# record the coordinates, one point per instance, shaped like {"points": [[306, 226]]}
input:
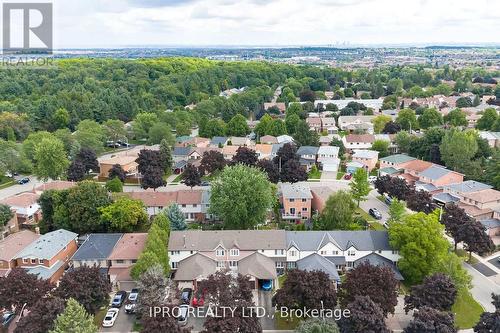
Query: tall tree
{"points": [[490, 321], [397, 211], [191, 176], [166, 154], [420, 201], [454, 219], [437, 291], [149, 283], [304, 136], [148, 159], [270, 169], [153, 178], [176, 217], [382, 146], [338, 212], [241, 196], [377, 282], [431, 320], [245, 156], [458, 148], [212, 161], [42, 315], [124, 215], [117, 171], [6, 214], [76, 171], [407, 119], [360, 187], [476, 239], [88, 158], [237, 126], [456, 117], [20, 287], [50, 159], [87, 285], [379, 123], [365, 316], [487, 120], [74, 319], [114, 185], [292, 172], [430, 118]]}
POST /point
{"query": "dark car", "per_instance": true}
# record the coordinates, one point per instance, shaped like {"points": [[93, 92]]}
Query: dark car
{"points": [[7, 317], [205, 183], [347, 176], [186, 295], [23, 180], [118, 299], [375, 213]]}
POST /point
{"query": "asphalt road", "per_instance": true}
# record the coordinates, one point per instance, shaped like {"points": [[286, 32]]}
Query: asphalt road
{"points": [[373, 202], [16, 189], [482, 288]]}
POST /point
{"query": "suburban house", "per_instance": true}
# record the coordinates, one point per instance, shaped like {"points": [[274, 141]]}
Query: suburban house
{"points": [[358, 141], [345, 249], [438, 176], [314, 123], [396, 162], [218, 141], [368, 158], [229, 151], [320, 195], [123, 256], [240, 141], [493, 138], [281, 106], [49, 255], [190, 141], [328, 158], [58, 185], [356, 124], [353, 166], [375, 104], [268, 139], [10, 246], [492, 226], [128, 164], [196, 254], [26, 207], [154, 201], [328, 124], [307, 155], [295, 200], [481, 204], [181, 153], [95, 251], [263, 151], [284, 139]]}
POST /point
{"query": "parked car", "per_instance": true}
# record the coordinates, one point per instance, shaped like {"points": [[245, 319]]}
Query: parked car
{"points": [[375, 213], [134, 293], [23, 180], [267, 285], [372, 179], [113, 144], [347, 176], [110, 317], [7, 318], [130, 307], [186, 295], [118, 299], [388, 200], [183, 314], [205, 183], [199, 298]]}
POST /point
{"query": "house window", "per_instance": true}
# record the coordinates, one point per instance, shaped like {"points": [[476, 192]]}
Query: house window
{"points": [[233, 264], [33, 261], [183, 205], [291, 200], [120, 261], [323, 253], [175, 252], [292, 265], [134, 261], [350, 264], [219, 253], [293, 253], [279, 264], [351, 253], [221, 264], [195, 205], [41, 261], [25, 261], [174, 265], [304, 209], [292, 211], [304, 200], [234, 252], [395, 252], [335, 253], [279, 252]]}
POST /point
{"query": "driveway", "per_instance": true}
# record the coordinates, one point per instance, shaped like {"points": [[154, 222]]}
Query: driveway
{"points": [[124, 323], [495, 262], [373, 202], [483, 269], [482, 288]]}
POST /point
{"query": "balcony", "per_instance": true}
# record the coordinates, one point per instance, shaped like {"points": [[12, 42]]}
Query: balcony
{"points": [[287, 215]]}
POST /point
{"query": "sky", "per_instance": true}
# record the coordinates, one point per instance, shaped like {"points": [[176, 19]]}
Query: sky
{"points": [[119, 23]]}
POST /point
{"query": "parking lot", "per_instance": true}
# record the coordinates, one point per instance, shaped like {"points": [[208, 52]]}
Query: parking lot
{"points": [[124, 323]]}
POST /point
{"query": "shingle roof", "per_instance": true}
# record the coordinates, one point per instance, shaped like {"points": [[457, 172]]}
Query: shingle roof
{"points": [[389, 170], [243, 239], [48, 245], [445, 198], [307, 150], [315, 262], [397, 159], [328, 150], [182, 151], [490, 223], [435, 172], [369, 154], [295, 191], [361, 240], [56, 185], [365, 138], [197, 265], [258, 265], [377, 260], [129, 246], [418, 165], [16, 242], [97, 246], [44, 272], [468, 186], [21, 200], [216, 140]]}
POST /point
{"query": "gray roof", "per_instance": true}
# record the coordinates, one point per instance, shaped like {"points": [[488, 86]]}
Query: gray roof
{"points": [[377, 260], [435, 172], [398, 158], [389, 170], [258, 265], [295, 191], [48, 245], [468, 186], [307, 150], [365, 153], [361, 240], [181, 151], [315, 262], [425, 186], [180, 164], [243, 239], [337, 260], [490, 223], [97, 246], [44, 272], [445, 198], [276, 147], [216, 140], [197, 265], [305, 161]]}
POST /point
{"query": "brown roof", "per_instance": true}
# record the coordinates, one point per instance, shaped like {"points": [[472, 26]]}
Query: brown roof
{"points": [[56, 185], [269, 139], [189, 197], [14, 243], [264, 148], [483, 196], [122, 160], [417, 165], [281, 106], [121, 273], [473, 210], [409, 178], [367, 138], [231, 150], [313, 121], [153, 198], [129, 246], [21, 200]]}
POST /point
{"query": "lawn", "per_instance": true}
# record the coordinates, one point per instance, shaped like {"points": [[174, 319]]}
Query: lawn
{"points": [[377, 226], [466, 310], [315, 174], [340, 174], [364, 215], [99, 316], [281, 280], [177, 179], [6, 182]]}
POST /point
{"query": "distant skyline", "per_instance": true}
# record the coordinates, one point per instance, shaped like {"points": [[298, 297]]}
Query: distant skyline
{"points": [[168, 23]]}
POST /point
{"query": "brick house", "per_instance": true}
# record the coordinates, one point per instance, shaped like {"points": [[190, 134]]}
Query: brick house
{"points": [[26, 206], [124, 255], [10, 246], [368, 158], [295, 202]]}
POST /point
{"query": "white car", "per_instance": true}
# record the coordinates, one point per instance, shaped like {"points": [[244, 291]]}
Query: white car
{"points": [[372, 179], [109, 319]]}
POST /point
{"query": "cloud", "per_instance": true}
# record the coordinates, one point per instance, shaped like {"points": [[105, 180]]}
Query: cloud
{"points": [[158, 3]]}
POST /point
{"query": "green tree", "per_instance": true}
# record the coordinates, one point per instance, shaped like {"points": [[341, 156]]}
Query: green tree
{"points": [[264, 125], [60, 119], [5, 215], [291, 122], [51, 160], [114, 185], [145, 261], [114, 130], [237, 126], [379, 123], [214, 127], [143, 123], [397, 211], [430, 118], [407, 119], [13, 158], [74, 319], [458, 148], [421, 244], [166, 154], [241, 197], [32, 140], [456, 117], [492, 173], [487, 120], [304, 136], [90, 134], [382, 146], [154, 253], [159, 132], [176, 217], [317, 326], [277, 128], [451, 265], [360, 187], [124, 215], [338, 212]]}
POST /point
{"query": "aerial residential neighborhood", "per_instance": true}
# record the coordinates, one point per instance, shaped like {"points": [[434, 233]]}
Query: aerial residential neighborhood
{"points": [[163, 171]]}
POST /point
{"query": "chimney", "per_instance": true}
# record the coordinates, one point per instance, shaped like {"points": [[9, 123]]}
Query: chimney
{"points": [[37, 230]]}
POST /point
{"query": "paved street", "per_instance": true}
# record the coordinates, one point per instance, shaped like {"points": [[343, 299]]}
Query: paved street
{"points": [[482, 288], [123, 323], [15, 189], [373, 202]]}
